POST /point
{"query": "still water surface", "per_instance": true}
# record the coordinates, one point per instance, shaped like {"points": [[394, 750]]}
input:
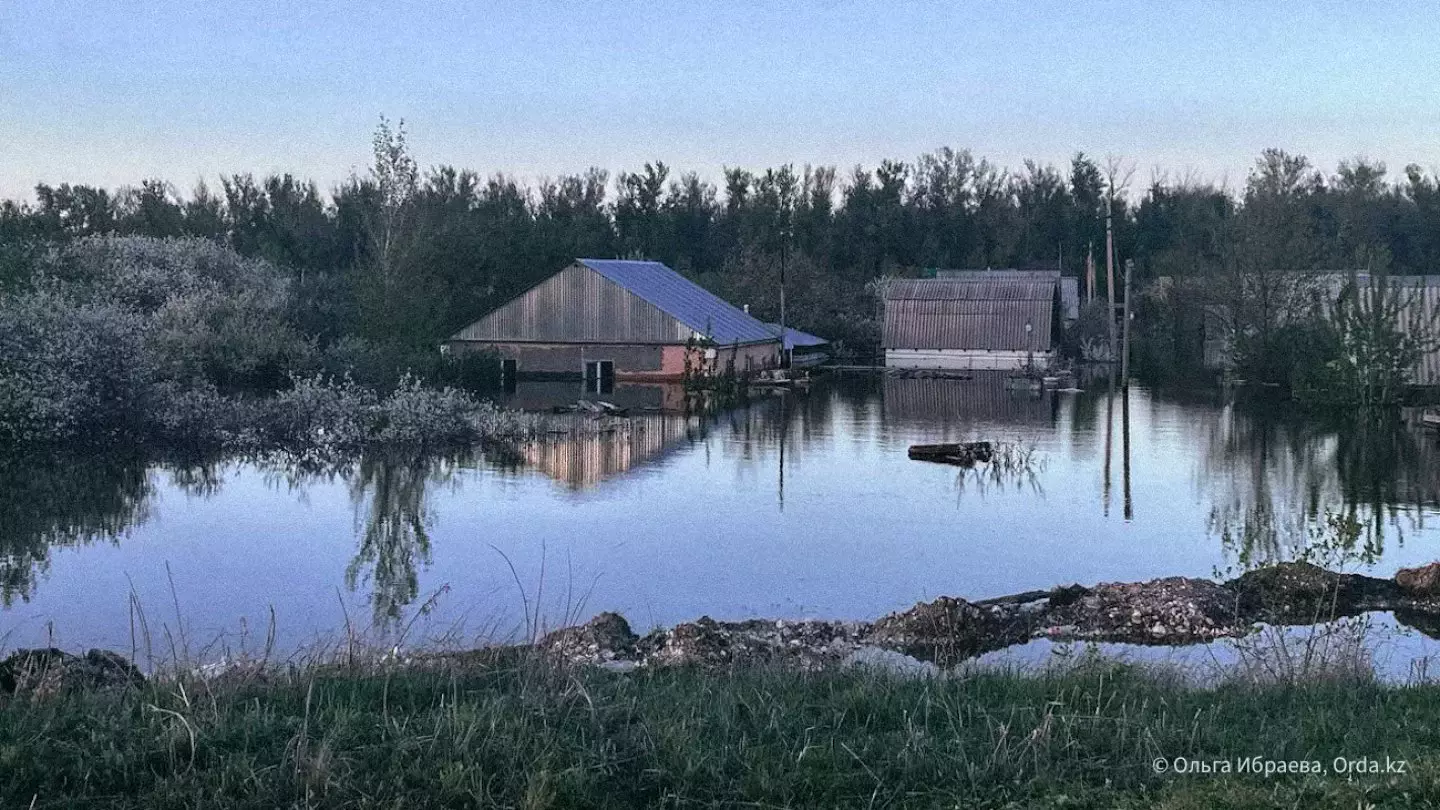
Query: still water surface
{"points": [[798, 505]]}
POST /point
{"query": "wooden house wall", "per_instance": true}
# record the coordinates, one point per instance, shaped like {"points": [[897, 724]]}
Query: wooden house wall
{"points": [[577, 305]]}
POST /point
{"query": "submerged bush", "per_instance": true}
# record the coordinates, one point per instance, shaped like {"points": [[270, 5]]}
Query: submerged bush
{"points": [[382, 366], [68, 367], [342, 416], [185, 342]]}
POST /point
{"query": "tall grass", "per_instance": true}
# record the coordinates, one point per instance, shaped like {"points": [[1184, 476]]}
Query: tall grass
{"points": [[503, 728]]}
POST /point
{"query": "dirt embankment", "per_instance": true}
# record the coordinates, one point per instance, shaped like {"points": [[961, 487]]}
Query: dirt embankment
{"points": [[1172, 610]]}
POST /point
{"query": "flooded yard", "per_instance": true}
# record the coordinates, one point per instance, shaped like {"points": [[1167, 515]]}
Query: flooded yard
{"points": [[798, 505]]}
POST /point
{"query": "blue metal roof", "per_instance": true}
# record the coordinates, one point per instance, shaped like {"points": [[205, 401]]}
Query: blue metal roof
{"points": [[683, 300], [794, 337]]}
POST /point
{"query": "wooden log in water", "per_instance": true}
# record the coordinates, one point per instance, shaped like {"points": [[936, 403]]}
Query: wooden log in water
{"points": [[963, 454]]}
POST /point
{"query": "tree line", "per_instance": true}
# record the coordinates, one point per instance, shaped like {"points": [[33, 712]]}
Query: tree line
{"points": [[401, 257]]}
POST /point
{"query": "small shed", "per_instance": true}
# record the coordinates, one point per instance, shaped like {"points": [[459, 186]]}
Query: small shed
{"points": [[805, 349], [606, 319], [1003, 323]]}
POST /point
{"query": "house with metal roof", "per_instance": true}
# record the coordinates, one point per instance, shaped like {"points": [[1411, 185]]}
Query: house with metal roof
{"points": [[603, 319], [1003, 323]]}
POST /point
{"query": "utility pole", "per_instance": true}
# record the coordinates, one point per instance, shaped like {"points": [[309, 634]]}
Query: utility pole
{"points": [[1090, 272], [1125, 350], [784, 334], [1110, 268]]}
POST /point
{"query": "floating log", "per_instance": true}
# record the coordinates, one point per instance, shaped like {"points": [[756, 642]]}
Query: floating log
{"points": [[963, 454]]}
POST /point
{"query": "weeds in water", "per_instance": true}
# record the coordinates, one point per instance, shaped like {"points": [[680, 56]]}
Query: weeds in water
{"points": [[1012, 464]]}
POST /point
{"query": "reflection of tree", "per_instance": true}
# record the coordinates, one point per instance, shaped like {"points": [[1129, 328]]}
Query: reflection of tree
{"points": [[66, 499], [393, 523], [63, 499], [1280, 481], [199, 479]]}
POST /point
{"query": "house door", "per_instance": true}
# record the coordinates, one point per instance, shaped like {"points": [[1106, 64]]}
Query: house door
{"points": [[509, 375], [599, 376]]}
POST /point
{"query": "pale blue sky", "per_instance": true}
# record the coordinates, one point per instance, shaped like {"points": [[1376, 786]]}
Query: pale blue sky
{"points": [[111, 92]]}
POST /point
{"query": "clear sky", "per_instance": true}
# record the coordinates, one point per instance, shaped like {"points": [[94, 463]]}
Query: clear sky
{"points": [[107, 92]]}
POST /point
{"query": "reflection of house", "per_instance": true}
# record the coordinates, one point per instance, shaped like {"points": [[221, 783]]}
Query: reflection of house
{"points": [[1007, 322], [545, 395], [805, 348], [604, 319], [983, 399], [593, 453]]}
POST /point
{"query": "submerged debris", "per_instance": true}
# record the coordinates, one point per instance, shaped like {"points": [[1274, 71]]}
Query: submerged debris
{"points": [[1171, 610]]}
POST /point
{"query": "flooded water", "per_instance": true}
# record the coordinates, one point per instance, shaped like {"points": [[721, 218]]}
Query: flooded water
{"points": [[801, 504]]}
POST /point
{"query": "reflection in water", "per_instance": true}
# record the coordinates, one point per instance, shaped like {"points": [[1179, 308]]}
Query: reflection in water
{"points": [[941, 403], [590, 455], [544, 395], [1279, 483], [393, 524], [1125, 452], [1109, 428], [829, 464], [61, 499]]}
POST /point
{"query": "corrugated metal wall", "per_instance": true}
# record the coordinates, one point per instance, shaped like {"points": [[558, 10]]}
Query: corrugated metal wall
{"points": [[966, 359], [577, 305], [1421, 296], [993, 315]]}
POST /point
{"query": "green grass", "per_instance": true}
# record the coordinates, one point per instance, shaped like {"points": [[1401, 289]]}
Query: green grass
{"points": [[512, 733]]}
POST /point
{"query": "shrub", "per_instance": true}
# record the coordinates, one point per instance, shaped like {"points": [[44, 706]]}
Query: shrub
{"points": [[416, 416], [186, 342], [69, 368]]}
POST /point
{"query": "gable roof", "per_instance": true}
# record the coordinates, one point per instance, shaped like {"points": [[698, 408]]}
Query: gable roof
{"points": [[683, 300]]}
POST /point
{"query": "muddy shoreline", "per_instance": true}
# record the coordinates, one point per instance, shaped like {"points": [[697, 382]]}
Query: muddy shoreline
{"points": [[1169, 611]]}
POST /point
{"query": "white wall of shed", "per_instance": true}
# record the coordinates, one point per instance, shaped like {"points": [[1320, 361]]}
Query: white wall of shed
{"points": [[966, 359]]}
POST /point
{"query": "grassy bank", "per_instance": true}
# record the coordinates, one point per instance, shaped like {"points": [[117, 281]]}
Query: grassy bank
{"points": [[512, 733]]}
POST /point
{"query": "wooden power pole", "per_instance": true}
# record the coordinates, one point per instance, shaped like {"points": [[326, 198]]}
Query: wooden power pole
{"points": [[1110, 270], [1090, 273], [1125, 325]]}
